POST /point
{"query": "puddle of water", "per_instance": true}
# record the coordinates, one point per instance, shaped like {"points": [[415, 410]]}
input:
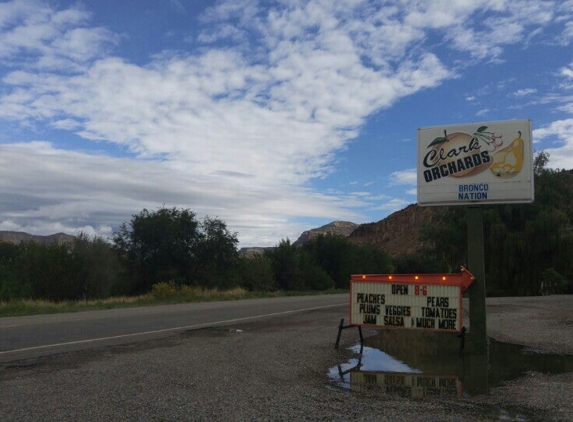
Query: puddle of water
{"points": [[421, 363], [375, 369]]}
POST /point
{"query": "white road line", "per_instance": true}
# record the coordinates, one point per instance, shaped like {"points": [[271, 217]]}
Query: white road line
{"points": [[165, 330]]}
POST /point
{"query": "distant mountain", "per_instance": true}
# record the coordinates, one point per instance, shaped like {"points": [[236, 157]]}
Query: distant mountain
{"points": [[19, 237], [252, 251], [343, 228]]}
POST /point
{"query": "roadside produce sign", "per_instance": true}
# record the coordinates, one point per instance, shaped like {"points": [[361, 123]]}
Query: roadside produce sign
{"points": [[422, 301], [475, 163]]}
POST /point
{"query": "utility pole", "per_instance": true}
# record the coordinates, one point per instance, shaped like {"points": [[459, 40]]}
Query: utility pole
{"points": [[476, 264]]}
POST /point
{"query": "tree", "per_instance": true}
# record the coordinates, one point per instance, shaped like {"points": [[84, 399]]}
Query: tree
{"points": [[540, 162], [312, 276], [256, 274], [522, 241], [216, 254], [332, 253], [552, 282], [85, 269], [446, 237], [170, 245], [158, 246], [340, 258], [10, 285], [368, 259], [97, 266], [418, 262], [45, 272], [285, 265]]}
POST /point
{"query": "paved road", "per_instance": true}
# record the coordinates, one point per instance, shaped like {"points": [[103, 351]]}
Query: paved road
{"points": [[33, 336]]}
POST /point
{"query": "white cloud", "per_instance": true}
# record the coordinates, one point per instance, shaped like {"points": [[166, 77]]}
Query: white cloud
{"points": [[507, 23], [567, 72], [405, 177], [564, 12], [214, 115], [561, 156], [524, 92], [33, 35], [237, 131], [66, 124], [44, 189], [567, 35], [393, 205]]}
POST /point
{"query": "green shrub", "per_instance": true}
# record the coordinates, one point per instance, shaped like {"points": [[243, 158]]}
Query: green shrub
{"points": [[316, 278], [256, 274], [163, 290], [552, 282]]}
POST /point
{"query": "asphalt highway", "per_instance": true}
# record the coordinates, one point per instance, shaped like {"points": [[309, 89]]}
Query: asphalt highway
{"points": [[41, 335]]}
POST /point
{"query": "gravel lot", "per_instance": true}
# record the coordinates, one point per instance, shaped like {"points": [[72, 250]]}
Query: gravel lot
{"points": [[276, 369]]}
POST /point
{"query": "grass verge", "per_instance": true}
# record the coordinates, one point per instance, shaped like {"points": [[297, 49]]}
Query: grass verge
{"points": [[186, 295]]}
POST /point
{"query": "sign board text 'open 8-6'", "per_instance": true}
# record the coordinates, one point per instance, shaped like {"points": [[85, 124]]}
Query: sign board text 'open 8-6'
{"points": [[422, 301]]}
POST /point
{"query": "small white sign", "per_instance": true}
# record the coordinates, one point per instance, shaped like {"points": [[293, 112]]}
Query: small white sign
{"points": [[475, 163]]}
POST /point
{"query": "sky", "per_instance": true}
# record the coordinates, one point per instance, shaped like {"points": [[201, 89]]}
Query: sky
{"points": [[273, 116]]}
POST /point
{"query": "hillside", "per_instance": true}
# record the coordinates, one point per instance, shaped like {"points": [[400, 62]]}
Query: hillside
{"points": [[396, 234], [343, 228]]}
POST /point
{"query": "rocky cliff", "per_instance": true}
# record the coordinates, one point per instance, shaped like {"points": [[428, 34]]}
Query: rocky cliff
{"points": [[343, 228], [396, 234]]}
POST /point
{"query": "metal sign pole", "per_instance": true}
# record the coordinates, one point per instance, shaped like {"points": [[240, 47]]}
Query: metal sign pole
{"points": [[476, 264]]}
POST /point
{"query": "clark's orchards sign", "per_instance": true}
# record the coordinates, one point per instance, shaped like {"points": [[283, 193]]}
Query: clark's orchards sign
{"points": [[476, 163]]}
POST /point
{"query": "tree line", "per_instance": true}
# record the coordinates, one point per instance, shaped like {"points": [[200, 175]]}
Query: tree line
{"points": [[528, 251], [528, 247], [171, 246]]}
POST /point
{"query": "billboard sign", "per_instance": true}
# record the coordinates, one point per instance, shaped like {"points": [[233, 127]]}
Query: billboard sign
{"points": [[475, 163]]}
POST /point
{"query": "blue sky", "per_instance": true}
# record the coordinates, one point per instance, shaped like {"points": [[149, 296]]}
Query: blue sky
{"points": [[275, 116]]}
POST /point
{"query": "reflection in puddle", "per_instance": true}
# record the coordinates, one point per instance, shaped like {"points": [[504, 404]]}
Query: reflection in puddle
{"points": [[421, 363], [376, 369]]}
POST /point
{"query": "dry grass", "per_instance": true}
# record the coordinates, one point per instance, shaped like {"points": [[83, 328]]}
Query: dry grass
{"points": [[187, 294], [34, 307], [164, 294]]}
